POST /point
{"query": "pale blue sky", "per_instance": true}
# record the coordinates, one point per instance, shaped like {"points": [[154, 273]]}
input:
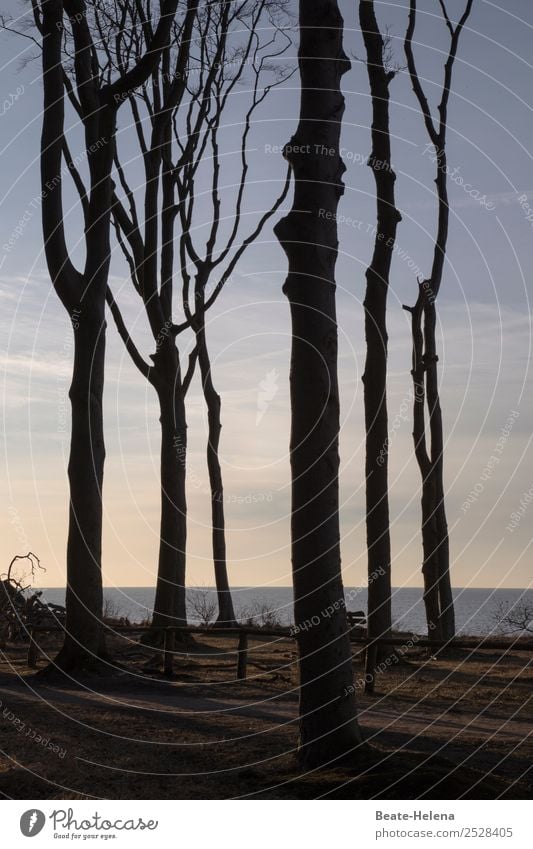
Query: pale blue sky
{"points": [[484, 312]]}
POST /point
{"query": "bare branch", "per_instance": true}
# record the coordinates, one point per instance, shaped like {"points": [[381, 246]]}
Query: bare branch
{"points": [[64, 276], [448, 70], [437, 138], [514, 618], [147, 63], [5, 25], [131, 348], [186, 382], [249, 240], [413, 74], [34, 561], [78, 182], [446, 17]]}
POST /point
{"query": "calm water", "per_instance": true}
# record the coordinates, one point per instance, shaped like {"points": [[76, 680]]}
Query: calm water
{"points": [[475, 609]]}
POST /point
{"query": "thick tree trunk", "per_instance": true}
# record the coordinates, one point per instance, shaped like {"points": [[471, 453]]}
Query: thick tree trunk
{"points": [[328, 718], [84, 295], [170, 597], [375, 304], [83, 636]]}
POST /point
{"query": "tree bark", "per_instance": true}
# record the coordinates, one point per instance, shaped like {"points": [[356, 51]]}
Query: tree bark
{"points": [[428, 528], [226, 613], [328, 718], [437, 527], [83, 636], [375, 305], [170, 597], [436, 479]]}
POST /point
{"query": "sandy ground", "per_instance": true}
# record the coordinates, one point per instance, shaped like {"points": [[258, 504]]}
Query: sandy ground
{"points": [[452, 727]]}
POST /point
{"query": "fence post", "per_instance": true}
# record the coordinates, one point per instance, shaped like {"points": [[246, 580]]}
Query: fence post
{"points": [[168, 651], [370, 666], [242, 655], [33, 651]]}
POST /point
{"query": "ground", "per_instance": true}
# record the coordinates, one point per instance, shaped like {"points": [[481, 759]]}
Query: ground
{"points": [[456, 726]]}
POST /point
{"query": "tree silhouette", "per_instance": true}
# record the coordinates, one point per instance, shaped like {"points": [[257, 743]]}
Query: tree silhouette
{"points": [[438, 597], [182, 151], [375, 304], [328, 723], [73, 61]]}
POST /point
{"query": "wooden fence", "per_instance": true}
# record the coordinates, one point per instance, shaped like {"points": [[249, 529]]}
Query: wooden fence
{"points": [[372, 647]]}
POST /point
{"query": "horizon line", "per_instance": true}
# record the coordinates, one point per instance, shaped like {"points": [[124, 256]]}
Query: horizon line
{"points": [[267, 587]]}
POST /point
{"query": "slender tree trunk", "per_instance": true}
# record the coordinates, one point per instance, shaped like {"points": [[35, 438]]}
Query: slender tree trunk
{"points": [[375, 304], [328, 718], [430, 568], [226, 614], [170, 597], [429, 526], [442, 547], [447, 608], [435, 477], [83, 635], [437, 579]]}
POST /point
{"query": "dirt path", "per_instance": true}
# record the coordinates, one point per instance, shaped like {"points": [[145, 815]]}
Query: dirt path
{"points": [[133, 737], [167, 700]]}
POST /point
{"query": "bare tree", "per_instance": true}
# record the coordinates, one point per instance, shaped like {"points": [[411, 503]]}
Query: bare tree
{"points": [[162, 96], [202, 604], [438, 596], [375, 304], [257, 53], [182, 150], [260, 614], [73, 61], [514, 618], [328, 721], [21, 606]]}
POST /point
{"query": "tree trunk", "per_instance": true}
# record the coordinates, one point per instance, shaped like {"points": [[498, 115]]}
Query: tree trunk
{"points": [[429, 525], [84, 295], [447, 609], [170, 597], [430, 568], [375, 304], [328, 718], [437, 576], [442, 551], [83, 635], [226, 614]]}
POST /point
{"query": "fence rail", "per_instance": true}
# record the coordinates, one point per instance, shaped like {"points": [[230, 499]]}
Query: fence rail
{"points": [[243, 632]]}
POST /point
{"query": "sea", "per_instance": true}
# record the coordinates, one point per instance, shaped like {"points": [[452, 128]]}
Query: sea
{"points": [[477, 611]]}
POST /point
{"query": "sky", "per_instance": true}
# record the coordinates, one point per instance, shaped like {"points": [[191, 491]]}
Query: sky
{"points": [[483, 311]]}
